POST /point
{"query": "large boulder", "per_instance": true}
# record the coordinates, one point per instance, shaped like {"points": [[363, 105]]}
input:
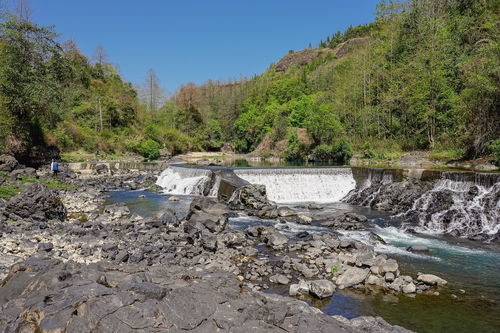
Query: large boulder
{"points": [[249, 197], [352, 276], [322, 288], [206, 214], [37, 202], [8, 163]]}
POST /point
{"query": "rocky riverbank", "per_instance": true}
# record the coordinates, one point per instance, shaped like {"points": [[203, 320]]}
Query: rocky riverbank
{"points": [[82, 264]]}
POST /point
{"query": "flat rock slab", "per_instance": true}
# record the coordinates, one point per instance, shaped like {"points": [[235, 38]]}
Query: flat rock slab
{"points": [[46, 295]]}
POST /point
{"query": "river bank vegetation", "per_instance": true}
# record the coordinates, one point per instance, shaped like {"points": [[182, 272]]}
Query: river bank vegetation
{"points": [[425, 75]]}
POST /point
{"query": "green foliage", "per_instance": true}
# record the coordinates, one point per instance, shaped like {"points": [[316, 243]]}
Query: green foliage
{"points": [[335, 269], [425, 74], [294, 150], [52, 183], [149, 149], [339, 151], [494, 147], [8, 191]]}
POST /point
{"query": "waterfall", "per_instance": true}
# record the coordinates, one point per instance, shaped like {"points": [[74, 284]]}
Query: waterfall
{"points": [[301, 184], [184, 180], [465, 204], [462, 205]]}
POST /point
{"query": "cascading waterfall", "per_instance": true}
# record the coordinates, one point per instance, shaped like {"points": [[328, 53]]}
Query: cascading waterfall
{"points": [[184, 180], [302, 184], [461, 205], [464, 204]]}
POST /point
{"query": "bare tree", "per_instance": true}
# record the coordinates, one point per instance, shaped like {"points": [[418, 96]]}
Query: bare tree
{"points": [[23, 10], [152, 93], [100, 56]]}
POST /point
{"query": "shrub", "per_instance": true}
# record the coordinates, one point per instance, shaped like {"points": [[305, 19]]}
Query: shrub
{"points": [[150, 149], [339, 152], [494, 147], [294, 150]]}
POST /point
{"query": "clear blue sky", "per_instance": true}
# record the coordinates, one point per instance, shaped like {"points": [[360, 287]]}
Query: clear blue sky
{"points": [[195, 40]]}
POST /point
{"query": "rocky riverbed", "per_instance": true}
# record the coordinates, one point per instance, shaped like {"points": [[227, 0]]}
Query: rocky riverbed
{"points": [[67, 262]]}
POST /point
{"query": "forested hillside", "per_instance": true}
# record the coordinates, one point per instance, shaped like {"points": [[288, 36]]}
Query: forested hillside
{"points": [[424, 76]]}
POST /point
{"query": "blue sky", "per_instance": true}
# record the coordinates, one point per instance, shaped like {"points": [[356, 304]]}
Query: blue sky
{"points": [[195, 40]]}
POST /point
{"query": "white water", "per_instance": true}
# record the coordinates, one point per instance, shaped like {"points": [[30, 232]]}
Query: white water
{"points": [[468, 214], [182, 180], [301, 184]]}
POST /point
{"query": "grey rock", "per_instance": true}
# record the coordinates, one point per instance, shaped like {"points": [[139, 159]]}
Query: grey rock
{"points": [[417, 248], [322, 288], [286, 212], [38, 203], [431, 280], [352, 276], [304, 219], [301, 288], [280, 279]]}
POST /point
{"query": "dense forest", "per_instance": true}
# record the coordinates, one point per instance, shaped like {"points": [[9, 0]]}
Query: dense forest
{"points": [[425, 75]]}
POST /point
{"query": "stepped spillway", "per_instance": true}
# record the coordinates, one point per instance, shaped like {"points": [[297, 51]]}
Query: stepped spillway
{"points": [[302, 184]]}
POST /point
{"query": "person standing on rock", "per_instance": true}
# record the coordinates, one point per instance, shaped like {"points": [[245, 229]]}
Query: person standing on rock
{"points": [[54, 166]]}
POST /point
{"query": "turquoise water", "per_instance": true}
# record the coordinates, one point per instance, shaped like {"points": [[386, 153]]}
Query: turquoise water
{"points": [[465, 265]]}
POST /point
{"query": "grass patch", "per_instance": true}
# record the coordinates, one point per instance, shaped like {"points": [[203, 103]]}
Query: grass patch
{"points": [[8, 191], [83, 156], [52, 183], [446, 154]]}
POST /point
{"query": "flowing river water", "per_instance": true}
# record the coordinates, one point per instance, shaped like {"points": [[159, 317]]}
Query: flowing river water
{"points": [[470, 302]]}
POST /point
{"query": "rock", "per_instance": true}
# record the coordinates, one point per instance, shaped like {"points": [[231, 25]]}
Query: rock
{"points": [[286, 212], [19, 173], [232, 238], [250, 196], [302, 234], [410, 288], [431, 280], [8, 163], [206, 213], [314, 206], [352, 276], [173, 198], [276, 240], [372, 325], [47, 247], [141, 196], [389, 277], [303, 219], [122, 256], [67, 297], [301, 288], [280, 279], [117, 211], [345, 221], [417, 248], [101, 169], [375, 280], [390, 265], [374, 238], [322, 288], [38, 203]]}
